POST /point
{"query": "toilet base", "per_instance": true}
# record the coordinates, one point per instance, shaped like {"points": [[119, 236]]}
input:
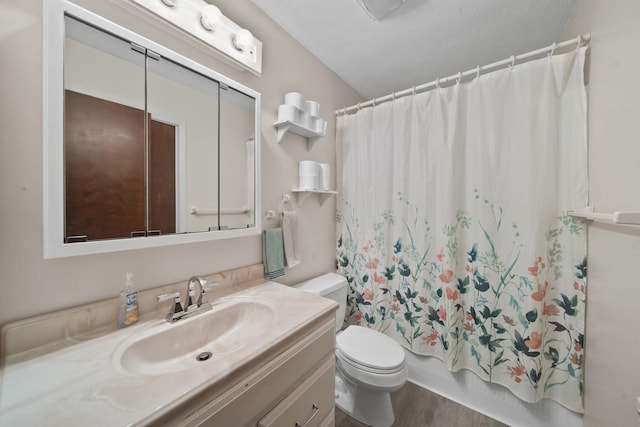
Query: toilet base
{"points": [[371, 408]]}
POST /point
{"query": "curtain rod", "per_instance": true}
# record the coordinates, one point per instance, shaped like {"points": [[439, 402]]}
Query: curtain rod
{"points": [[550, 50]]}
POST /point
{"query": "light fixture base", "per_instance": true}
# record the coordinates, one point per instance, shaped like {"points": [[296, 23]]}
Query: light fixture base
{"points": [[378, 9]]}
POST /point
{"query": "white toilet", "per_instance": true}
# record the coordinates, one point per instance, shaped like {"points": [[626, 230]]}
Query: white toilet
{"points": [[369, 364]]}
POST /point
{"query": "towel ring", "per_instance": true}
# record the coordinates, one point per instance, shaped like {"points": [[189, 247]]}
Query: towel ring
{"points": [[286, 198]]}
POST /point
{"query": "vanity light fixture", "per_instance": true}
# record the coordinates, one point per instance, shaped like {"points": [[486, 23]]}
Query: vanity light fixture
{"points": [[243, 40], [211, 17], [204, 23]]}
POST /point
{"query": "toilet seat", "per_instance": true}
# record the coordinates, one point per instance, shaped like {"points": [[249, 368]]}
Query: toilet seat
{"points": [[355, 365], [369, 350]]}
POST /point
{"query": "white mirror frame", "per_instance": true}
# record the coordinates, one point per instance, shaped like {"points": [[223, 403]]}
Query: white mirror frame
{"points": [[53, 140]]}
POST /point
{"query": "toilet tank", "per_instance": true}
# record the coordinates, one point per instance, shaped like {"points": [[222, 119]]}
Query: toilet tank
{"points": [[332, 286]]}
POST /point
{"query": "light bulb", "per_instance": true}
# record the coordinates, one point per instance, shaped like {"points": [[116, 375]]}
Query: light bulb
{"points": [[243, 39], [211, 17]]}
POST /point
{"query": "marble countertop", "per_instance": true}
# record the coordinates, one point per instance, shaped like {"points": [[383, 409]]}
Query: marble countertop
{"points": [[84, 384]]}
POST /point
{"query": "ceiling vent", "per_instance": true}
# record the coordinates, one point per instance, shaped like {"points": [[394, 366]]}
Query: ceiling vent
{"points": [[378, 9]]}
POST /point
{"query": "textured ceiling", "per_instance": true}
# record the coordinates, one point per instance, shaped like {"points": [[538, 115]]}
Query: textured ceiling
{"points": [[419, 42]]}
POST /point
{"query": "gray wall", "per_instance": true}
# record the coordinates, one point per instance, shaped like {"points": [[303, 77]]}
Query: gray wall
{"points": [[612, 348]]}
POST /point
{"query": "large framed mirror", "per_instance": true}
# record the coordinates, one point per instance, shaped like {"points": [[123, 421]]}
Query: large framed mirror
{"points": [[143, 147]]}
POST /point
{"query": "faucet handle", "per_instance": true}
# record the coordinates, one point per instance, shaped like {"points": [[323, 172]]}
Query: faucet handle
{"points": [[166, 297], [204, 288], [176, 308], [207, 286]]}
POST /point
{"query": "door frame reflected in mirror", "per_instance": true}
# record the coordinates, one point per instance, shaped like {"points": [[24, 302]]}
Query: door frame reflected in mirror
{"points": [[53, 140]]}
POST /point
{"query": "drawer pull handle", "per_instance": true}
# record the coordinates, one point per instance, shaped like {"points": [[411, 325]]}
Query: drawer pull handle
{"points": [[316, 409]]}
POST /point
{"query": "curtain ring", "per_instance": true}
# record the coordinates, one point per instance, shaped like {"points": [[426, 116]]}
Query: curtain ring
{"points": [[393, 95], [459, 77], [583, 39], [413, 90], [358, 106], [374, 102], [552, 50], [478, 72], [438, 83], [513, 61]]}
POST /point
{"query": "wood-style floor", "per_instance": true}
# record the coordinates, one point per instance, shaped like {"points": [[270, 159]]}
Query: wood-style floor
{"points": [[414, 406]]}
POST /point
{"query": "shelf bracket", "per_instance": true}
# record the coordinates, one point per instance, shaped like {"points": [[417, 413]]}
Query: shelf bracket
{"points": [[311, 135], [323, 197], [282, 130], [302, 196], [312, 140]]}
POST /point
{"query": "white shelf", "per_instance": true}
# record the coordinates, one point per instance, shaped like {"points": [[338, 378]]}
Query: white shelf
{"points": [[297, 128], [303, 194]]}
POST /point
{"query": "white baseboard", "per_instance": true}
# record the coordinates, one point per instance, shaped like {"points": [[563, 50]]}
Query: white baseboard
{"points": [[492, 400]]}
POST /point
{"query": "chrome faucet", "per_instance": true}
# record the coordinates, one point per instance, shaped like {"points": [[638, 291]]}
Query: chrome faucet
{"points": [[190, 308], [202, 284]]}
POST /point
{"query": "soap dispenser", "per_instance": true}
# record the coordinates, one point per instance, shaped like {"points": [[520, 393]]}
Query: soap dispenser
{"points": [[128, 310]]}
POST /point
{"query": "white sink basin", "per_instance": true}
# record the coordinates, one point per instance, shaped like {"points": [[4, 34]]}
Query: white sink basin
{"points": [[202, 339]]}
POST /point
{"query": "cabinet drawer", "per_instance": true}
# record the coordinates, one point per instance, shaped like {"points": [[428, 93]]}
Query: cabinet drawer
{"points": [[309, 404]]}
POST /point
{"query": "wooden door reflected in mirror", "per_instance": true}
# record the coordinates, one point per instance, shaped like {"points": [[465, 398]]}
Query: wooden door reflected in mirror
{"points": [[109, 193], [105, 175]]}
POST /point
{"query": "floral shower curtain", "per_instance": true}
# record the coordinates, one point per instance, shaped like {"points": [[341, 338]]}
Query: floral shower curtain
{"points": [[451, 230]]}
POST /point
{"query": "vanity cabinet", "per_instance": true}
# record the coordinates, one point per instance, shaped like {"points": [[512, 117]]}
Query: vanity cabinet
{"points": [[295, 384], [309, 404], [272, 361]]}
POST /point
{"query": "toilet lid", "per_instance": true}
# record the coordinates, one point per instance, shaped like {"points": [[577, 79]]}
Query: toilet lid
{"points": [[370, 348]]}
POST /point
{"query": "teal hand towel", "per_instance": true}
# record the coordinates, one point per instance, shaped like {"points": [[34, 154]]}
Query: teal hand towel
{"points": [[273, 253]]}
